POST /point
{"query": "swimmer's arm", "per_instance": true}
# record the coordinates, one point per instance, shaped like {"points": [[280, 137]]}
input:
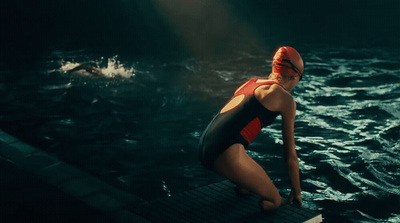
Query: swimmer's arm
{"points": [[290, 155], [284, 103], [88, 68]]}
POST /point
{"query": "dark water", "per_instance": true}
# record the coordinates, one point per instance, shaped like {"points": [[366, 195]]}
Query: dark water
{"points": [[140, 132], [137, 127]]}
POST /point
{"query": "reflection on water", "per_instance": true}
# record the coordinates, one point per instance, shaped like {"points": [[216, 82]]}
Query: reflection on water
{"points": [[140, 131]]}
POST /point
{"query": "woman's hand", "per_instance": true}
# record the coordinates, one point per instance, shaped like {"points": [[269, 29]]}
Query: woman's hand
{"points": [[293, 197]]}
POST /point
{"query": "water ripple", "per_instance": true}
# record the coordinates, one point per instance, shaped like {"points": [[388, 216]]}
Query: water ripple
{"points": [[142, 131]]}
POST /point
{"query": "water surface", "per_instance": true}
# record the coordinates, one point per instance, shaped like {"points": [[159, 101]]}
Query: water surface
{"points": [[137, 127]]}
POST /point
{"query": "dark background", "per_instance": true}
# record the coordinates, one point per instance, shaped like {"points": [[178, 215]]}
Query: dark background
{"points": [[30, 29]]}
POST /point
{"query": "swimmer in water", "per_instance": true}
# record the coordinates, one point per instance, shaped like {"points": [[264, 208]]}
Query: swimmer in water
{"points": [[253, 106], [87, 70]]}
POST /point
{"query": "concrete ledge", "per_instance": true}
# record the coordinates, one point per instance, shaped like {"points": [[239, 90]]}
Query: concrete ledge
{"points": [[74, 182], [104, 202], [23, 148], [80, 187], [211, 203], [6, 138], [59, 172]]}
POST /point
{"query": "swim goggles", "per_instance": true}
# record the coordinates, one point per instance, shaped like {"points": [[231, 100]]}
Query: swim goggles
{"points": [[292, 66]]}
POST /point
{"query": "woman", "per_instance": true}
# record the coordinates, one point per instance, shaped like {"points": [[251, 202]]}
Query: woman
{"points": [[254, 105]]}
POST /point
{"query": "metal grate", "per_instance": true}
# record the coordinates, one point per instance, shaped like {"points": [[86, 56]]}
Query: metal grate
{"points": [[218, 203]]}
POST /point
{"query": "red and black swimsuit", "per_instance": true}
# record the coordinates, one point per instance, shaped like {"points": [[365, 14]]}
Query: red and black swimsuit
{"points": [[238, 125]]}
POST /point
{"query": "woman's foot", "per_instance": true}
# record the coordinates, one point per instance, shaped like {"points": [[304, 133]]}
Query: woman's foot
{"points": [[240, 191], [268, 205]]}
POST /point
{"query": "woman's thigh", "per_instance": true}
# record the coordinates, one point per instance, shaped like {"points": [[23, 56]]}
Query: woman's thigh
{"points": [[239, 167]]}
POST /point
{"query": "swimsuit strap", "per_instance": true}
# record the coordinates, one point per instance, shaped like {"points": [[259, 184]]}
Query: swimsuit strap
{"points": [[252, 85]]}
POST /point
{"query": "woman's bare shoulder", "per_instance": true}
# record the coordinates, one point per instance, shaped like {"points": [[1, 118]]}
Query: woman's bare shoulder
{"points": [[274, 97]]}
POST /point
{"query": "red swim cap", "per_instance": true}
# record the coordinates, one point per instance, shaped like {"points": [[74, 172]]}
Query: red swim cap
{"points": [[287, 57]]}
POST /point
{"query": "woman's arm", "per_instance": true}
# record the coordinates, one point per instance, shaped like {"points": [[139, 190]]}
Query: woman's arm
{"points": [[277, 99], [290, 155]]}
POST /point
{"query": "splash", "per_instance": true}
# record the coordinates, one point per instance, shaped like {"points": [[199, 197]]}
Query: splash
{"points": [[114, 68], [67, 66]]}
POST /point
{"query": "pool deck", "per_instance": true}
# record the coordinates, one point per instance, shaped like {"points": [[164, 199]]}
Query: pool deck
{"points": [[46, 189]]}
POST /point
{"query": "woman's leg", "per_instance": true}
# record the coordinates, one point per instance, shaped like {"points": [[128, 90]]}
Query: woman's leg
{"points": [[237, 166]]}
